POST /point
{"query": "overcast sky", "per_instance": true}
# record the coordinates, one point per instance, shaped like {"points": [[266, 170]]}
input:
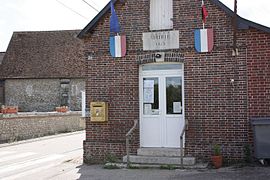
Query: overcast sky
{"points": [[41, 15]]}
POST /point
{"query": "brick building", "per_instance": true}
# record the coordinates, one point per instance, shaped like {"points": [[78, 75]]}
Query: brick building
{"points": [[42, 70], [166, 83]]}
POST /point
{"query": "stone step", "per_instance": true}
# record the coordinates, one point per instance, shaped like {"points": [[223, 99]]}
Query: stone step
{"points": [[187, 161], [168, 152]]}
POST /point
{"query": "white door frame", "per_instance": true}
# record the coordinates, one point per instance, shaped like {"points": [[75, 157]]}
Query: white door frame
{"points": [[161, 74]]}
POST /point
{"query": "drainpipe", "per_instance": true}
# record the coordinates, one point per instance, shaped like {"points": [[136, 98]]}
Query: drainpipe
{"points": [[235, 53]]}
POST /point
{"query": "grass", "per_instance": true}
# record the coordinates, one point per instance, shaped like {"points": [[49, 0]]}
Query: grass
{"points": [[168, 167]]}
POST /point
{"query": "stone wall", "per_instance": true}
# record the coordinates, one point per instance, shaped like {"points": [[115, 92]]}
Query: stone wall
{"points": [[75, 98], [32, 125], [42, 95]]}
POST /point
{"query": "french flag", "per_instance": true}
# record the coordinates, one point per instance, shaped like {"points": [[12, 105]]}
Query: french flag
{"points": [[204, 40], [118, 46]]}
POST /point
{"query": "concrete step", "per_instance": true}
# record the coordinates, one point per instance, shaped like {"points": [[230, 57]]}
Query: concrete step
{"points": [[187, 161], [168, 152]]}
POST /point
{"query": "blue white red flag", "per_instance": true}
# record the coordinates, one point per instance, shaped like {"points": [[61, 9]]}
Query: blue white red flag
{"points": [[114, 22], [118, 46], [204, 40]]}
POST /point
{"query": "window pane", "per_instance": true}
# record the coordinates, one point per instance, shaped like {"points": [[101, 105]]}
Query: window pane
{"points": [[150, 96], [151, 67], [174, 95]]}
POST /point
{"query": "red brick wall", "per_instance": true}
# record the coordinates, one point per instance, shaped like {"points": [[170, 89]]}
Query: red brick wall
{"points": [[216, 109], [258, 73], [116, 81]]}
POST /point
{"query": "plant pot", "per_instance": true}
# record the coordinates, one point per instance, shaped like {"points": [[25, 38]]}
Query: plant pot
{"points": [[217, 161], [9, 110], [62, 109]]}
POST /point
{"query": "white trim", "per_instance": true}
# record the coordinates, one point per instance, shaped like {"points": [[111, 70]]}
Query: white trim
{"points": [[161, 74], [83, 104]]}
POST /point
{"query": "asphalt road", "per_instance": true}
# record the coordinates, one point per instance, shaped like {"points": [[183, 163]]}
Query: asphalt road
{"points": [[43, 158], [230, 173], [60, 158]]}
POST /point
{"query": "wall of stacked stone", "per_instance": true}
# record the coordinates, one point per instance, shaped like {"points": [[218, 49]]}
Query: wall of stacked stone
{"points": [[29, 125], [41, 95]]}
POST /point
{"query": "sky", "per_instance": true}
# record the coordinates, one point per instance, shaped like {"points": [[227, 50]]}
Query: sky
{"points": [[44, 15]]}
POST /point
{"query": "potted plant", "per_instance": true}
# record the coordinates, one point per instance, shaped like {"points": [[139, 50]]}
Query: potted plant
{"points": [[62, 109], [9, 109], [217, 157]]}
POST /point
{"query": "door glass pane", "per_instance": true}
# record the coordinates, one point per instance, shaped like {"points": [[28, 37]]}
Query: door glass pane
{"points": [[174, 95], [150, 96]]}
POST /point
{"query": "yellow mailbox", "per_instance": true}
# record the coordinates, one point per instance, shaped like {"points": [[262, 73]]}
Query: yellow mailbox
{"points": [[99, 111]]}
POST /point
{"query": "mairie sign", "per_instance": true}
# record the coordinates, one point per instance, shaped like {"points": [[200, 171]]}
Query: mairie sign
{"points": [[160, 40]]}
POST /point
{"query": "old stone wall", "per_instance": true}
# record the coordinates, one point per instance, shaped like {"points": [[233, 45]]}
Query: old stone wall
{"points": [[42, 95], [27, 126], [75, 98]]}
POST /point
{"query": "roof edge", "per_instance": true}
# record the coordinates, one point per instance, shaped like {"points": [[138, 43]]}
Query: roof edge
{"points": [[93, 23], [42, 77], [242, 23], [46, 31]]}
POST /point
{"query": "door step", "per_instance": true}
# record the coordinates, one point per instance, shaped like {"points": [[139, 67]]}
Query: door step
{"points": [[162, 160], [168, 152]]}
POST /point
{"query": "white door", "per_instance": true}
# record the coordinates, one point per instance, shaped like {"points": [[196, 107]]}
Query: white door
{"points": [[161, 105]]}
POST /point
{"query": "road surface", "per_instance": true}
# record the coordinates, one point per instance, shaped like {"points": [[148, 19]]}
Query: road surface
{"points": [[60, 158], [45, 158]]}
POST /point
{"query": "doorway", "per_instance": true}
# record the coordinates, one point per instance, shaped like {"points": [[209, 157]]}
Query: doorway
{"points": [[161, 104]]}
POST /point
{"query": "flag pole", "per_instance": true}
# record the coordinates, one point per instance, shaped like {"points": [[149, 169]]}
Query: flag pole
{"points": [[202, 12], [235, 26]]}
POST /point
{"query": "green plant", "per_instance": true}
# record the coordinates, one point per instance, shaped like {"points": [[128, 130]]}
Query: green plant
{"points": [[217, 150], [111, 166], [133, 167], [12, 139], [112, 158], [247, 153], [168, 166], [89, 160]]}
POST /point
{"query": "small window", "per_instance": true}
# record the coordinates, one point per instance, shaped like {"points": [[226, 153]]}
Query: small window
{"points": [[174, 95], [154, 67], [161, 14], [150, 96]]}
